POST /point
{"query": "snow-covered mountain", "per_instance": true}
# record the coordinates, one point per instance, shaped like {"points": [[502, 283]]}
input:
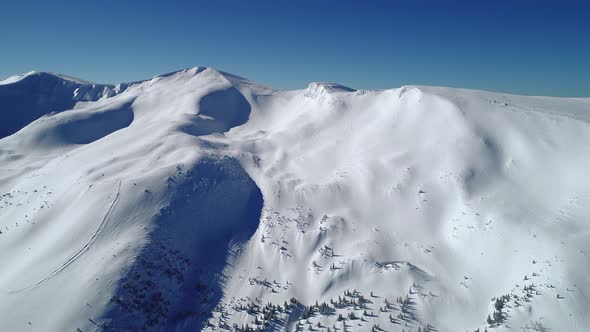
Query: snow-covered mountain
{"points": [[199, 200]]}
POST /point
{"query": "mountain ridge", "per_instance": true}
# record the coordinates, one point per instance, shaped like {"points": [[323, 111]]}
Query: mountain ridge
{"points": [[201, 200], [10, 79]]}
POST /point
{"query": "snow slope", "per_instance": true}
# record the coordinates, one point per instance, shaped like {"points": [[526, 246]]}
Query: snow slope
{"points": [[199, 200]]}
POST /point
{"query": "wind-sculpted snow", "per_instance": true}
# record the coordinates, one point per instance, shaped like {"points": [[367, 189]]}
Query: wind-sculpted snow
{"points": [[39, 93], [315, 89], [199, 200], [219, 111], [80, 126]]}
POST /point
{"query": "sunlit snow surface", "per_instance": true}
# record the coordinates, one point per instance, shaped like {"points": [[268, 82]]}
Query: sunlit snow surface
{"points": [[193, 200]]}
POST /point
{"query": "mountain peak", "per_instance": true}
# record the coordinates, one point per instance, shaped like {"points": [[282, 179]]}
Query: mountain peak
{"points": [[315, 89], [43, 75]]}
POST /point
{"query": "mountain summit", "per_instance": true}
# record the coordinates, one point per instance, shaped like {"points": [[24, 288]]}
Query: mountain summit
{"points": [[199, 200]]}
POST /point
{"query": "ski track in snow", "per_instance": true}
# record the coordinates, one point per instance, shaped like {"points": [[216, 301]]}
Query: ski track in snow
{"points": [[81, 251]]}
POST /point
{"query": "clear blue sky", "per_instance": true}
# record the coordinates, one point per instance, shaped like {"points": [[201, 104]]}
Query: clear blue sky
{"points": [[524, 47]]}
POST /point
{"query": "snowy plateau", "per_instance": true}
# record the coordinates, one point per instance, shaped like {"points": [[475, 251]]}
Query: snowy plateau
{"points": [[199, 200]]}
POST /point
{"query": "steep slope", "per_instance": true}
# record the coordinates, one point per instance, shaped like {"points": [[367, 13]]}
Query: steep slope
{"points": [[200, 200], [105, 187], [27, 97]]}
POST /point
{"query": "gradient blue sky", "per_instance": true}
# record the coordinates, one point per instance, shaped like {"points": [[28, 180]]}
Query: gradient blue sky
{"points": [[523, 47]]}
